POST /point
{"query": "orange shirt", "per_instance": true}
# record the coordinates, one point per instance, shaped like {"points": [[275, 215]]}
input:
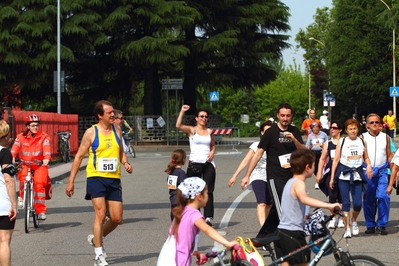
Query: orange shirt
{"points": [[29, 148]]}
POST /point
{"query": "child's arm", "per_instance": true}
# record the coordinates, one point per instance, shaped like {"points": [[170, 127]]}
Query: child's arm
{"points": [[298, 191], [213, 234]]}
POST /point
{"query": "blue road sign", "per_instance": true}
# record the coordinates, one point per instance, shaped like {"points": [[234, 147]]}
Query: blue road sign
{"points": [[394, 91], [214, 96]]}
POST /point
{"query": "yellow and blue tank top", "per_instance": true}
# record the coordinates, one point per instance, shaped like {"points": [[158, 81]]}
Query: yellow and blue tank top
{"points": [[104, 155]]}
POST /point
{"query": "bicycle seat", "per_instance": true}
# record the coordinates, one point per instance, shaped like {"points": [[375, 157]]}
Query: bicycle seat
{"points": [[126, 137], [264, 241]]}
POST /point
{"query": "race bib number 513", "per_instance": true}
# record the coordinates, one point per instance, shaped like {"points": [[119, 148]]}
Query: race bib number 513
{"points": [[107, 164]]}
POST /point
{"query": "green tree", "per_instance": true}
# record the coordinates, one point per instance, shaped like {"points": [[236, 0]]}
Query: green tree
{"points": [[359, 58], [232, 43]]}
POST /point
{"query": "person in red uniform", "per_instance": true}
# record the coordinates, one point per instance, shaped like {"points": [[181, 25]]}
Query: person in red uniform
{"points": [[31, 145]]}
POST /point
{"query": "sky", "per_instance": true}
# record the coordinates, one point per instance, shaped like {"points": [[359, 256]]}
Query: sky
{"points": [[302, 13]]}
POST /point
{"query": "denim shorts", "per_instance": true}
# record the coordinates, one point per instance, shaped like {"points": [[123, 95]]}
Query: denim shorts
{"points": [[109, 188]]}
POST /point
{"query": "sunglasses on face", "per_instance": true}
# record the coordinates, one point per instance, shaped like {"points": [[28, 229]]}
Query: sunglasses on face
{"points": [[203, 116], [334, 128], [34, 125], [374, 122]]}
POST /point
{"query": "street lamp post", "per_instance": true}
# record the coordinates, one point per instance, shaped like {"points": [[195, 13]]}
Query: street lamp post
{"points": [[393, 63], [307, 62], [58, 57]]}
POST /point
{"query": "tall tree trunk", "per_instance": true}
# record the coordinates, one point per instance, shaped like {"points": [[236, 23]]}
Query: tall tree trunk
{"points": [[152, 93]]}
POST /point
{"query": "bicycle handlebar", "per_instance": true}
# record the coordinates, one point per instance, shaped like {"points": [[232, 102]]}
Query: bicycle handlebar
{"points": [[29, 163]]}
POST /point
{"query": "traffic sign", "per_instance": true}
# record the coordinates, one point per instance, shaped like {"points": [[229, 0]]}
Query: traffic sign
{"points": [[172, 81], [214, 96], [394, 91], [172, 87]]}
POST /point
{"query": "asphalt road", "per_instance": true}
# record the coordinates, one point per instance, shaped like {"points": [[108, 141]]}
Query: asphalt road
{"points": [[61, 239]]}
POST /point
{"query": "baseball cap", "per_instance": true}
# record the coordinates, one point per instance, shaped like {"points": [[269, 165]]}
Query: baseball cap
{"points": [[325, 112], [314, 124]]}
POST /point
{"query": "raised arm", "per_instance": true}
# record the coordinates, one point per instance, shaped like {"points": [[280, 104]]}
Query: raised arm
{"points": [[179, 124]]}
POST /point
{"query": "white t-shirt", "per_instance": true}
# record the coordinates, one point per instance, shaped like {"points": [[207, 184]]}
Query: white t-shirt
{"points": [[259, 172], [200, 147], [5, 205], [352, 156], [324, 122]]}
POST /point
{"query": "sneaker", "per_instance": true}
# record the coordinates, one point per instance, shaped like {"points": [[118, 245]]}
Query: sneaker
{"points": [[100, 261], [355, 229], [331, 224], [340, 223], [316, 186], [347, 233], [41, 216], [208, 220], [20, 203], [370, 231], [90, 239], [382, 230]]}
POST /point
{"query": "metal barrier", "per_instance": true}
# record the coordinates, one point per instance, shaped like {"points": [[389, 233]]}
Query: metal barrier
{"points": [[227, 136]]}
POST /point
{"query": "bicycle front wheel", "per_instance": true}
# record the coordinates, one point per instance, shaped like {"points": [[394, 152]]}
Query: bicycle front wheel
{"points": [[361, 260], [227, 262], [63, 152], [27, 207]]}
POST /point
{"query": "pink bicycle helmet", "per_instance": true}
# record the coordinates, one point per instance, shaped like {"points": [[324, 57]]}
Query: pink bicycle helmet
{"points": [[32, 118]]}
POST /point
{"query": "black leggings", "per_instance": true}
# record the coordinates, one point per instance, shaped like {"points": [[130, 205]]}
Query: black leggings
{"points": [[209, 176]]}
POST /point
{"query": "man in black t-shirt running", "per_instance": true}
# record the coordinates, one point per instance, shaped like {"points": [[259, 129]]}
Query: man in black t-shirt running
{"points": [[278, 142]]}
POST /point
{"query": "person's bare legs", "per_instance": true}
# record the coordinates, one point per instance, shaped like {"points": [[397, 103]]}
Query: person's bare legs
{"points": [[116, 216], [99, 216], [346, 220], [262, 211], [355, 214], [5, 249]]}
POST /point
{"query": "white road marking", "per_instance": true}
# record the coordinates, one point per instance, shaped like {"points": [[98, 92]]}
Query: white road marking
{"points": [[227, 216]]}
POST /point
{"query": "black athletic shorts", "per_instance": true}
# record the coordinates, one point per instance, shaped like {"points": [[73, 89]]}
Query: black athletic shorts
{"points": [[6, 224], [291, 241]]}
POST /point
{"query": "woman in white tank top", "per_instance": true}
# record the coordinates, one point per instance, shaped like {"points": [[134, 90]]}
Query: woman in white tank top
{"points": [[202, 152]]}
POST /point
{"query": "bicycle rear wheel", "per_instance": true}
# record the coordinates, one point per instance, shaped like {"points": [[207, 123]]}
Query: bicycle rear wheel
{"points": [[132, 152], [27, 207], [361, 260]]}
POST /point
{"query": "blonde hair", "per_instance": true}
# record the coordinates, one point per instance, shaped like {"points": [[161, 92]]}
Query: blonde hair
{"points": [[4, 129]]}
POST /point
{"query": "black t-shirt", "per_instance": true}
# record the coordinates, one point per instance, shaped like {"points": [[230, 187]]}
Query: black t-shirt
{"points": [[5, 156], [181, 175], [276, 146]]}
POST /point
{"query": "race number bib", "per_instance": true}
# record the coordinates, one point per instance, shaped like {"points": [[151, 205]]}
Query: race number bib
{"points": [[285, 160], [107, 164], [172, 181]]}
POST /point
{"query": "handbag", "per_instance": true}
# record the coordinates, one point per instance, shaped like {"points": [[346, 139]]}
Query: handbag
{"points": [[248, 252], [196, 168], [167, 256]]}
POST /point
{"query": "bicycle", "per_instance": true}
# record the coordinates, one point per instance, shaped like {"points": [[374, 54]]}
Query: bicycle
{"points": [[220, 255], [127, 140], [29, 201], [63, 145], [321, 245]]}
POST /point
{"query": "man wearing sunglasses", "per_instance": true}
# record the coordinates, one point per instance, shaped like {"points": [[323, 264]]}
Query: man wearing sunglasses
{"points": [[376, 197]]}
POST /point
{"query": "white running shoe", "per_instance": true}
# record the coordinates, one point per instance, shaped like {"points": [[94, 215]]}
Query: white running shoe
{"points": [[355, 229], [90, 239], [347, 233], [331, 224], [20, 203], [100, 261], [340, 223]]}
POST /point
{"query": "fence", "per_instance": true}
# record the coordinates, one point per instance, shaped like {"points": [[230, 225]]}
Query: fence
{"points": [[49, 123], [227, 136]]}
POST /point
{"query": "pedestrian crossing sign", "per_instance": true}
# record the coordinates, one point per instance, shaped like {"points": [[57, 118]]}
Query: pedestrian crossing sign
{"points": [[214, 96], [394, 91]]}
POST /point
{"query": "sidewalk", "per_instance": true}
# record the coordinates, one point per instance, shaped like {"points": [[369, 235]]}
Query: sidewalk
{"points": [[61, 170]]}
